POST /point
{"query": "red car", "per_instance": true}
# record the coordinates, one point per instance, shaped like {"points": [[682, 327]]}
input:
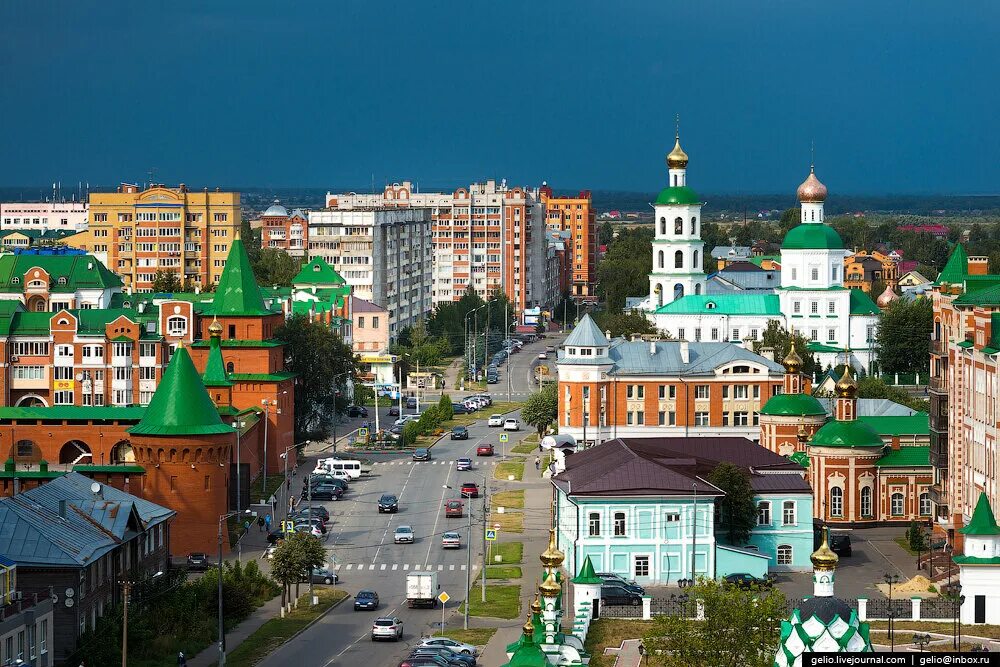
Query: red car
{"points": [[454, 508], [470, 490], [484, 450]]}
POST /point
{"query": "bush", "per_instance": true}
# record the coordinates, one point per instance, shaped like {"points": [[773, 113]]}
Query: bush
{"points": [[410, 432], [445, 408], [430, 420], [915, 537]]}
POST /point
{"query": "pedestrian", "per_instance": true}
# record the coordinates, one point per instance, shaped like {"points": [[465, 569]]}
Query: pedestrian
{"points": [[181, 660], [267, 522], [260, 524], [538, 463]]}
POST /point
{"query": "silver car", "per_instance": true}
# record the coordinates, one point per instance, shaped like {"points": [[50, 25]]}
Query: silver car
{"points": [[403, 535], [387, 627], [456, 646]]}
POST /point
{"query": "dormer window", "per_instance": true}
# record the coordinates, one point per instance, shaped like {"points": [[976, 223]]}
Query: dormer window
{"points": [[15, 281], [572, 351], [710, 305], [62, 280]]}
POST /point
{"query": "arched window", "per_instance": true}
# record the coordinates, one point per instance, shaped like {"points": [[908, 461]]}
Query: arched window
{"points": [[663, 226], [896, 504], [694, 224], [866, 502], [925, 504], [694, 261], [229, 367], [176, 325], [679, 259], [678, 225], [24, 449], [784, 554], [74, 452], [661, 259], [675, 180], [678, 291], [836, 501], [697, 288]]}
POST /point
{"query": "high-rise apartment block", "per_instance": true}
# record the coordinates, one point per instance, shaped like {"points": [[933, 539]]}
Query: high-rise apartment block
{"points": [[139, 232], [576, 219], [44, 216]]}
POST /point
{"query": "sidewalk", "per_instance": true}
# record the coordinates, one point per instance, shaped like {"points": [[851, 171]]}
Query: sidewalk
{"points": [[234, 637]]}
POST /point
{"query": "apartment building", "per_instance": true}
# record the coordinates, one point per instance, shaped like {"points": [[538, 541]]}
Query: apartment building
{"points": [[576, 216], [44, 216], [384, 254], [139, 232], [283, 230], [489, 237]]}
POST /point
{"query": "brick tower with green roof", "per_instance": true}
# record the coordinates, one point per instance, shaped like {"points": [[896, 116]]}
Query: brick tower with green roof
{"points": [[185, 448], [979, 566], [788, 419]]}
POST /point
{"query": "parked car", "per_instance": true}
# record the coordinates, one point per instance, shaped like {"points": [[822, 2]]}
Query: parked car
{"points": [[387, 627], [495, 420], [463, 463], [746, 580], [454, 508], [484, 450], [315, 522], [453, 659], [511, 425], [325, 492], [840, 545], [307, 528], [421, 454], [492, 378], [388, 503], [315, 510], [470, 490], [425, 661], [198, 562], [543, 355], [393, 410], [454, 645], [324, 575], [459, 433], [612, 578], [365, 599], [460, 409], [451, 540], [618, 594], [275, 536], [403, 535], [357, 411], [485, 397]]}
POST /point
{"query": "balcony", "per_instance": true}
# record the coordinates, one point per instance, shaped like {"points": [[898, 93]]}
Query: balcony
{"points": [[939, 347], [938, 384]]}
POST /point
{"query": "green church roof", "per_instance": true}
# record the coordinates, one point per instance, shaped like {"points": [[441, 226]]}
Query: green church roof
{"points": [[528, 654], [812, 236], [215, 368], [982, 522], [916, 456], [801, 458], [67, 273], [955, 269], [180, 405], [793, 404], [846, 434], [724, 304], [915, 424], [237, 292], [587, 574], [862, 304], [678, 195], [318, 272]]}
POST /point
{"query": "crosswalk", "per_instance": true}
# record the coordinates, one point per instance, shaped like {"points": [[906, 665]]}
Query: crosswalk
{"points": [[393, 567]]}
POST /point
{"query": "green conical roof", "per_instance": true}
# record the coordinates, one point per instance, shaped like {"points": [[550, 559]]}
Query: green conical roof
{"points": [[528, 654], [812, 236], [215, 368], [983, 522], [587, 574], [181, 406], [318, 272], [956, 269], [237, 292]]}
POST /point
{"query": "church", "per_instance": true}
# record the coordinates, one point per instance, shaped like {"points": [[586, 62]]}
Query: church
{"points": [[811, 298]]}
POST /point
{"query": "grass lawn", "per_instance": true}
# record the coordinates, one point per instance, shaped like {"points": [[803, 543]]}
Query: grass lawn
{"points": [[273, 484], [503, 572], [944, 628], [509, 499], [524, 447], [277, 631], [474, 636], [501, 602], [510, 552], [606, 632], [498, 408], [510, 522], [507, 468]]}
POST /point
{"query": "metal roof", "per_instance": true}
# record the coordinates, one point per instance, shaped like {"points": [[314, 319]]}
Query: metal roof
{"points": [[723, 304], [586, 334], [634, 358]]}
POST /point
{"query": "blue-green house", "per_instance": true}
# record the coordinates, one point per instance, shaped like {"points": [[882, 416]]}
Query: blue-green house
{"points": [[643, 508]]}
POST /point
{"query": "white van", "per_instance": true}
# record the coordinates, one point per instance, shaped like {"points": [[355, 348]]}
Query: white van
{"points": [[352, 468]]}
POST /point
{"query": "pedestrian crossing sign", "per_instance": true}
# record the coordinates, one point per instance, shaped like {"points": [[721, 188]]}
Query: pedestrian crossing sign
{"points": [[288, 526], [362, 433], [491, 534], [503, 437]]}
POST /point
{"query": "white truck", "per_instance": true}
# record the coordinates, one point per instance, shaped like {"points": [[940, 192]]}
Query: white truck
{"points": [[422, 589]]}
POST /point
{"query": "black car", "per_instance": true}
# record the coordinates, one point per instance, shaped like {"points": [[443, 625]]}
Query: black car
{"points": [[325, 479], [323, 575], [365, 600], [425, 661], [326, 492], [459, 433], [316, 510], [745, 580], [393, 410], [618, 580], [275, 536], [840, 544], [388, 503], [357, 411], [198, 562], [421, 454], [459, 409], [618, 594], [411, 402]]}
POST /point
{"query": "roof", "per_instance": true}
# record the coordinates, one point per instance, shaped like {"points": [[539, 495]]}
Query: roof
{"points": [[586, 575], [275, 210], [982, 522], [634, 358], [915, 424], [79, 271], [180, 405], [906, 457], [723, 304], [812, 236], [955, 269], [851, 434], [237, 292], [862, 304], [359, 305], [73, 413], [215, 367], [868, 407], [262, 377], [317, 272], [793, 404], [586, 334], [678, 195], [730, 251], [674, 467]]}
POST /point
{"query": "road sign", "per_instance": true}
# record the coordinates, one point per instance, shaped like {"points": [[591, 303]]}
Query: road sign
{"points": [[503, 437], [497, 526], [362, 433], [288, 526], [491, 534], [444, 597]]}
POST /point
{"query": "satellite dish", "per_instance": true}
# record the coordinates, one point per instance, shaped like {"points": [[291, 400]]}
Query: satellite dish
{"points": [[69, 592], [55, 599], [96, 487], [68, 602]]}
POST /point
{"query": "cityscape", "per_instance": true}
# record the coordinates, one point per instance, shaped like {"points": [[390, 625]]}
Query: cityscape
{"points": [[660, 335]]}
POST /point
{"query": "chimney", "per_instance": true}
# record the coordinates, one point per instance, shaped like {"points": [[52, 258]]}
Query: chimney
{"points": [[62, 509], [636, 337], [652, 347], [607, 334], [685, 351], [767, 353]]}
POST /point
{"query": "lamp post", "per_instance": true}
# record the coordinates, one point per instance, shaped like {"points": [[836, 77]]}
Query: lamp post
{"points": [[222, 626], [891, 579], [267, 406], [284, 455], [957, 599], [921, 640]]}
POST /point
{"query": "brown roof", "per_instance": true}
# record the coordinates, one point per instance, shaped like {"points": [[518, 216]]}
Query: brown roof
{"points": [[359, 305], [674, 466]]}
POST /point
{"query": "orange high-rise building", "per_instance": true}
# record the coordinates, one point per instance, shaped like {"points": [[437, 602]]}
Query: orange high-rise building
{"points": [[576, 216]]}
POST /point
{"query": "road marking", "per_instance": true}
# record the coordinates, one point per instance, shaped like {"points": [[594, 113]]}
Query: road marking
{"points": [[440, 568], [383, 567], [336, 567], [350, 565], [372, 567], [451, 568], [406, 566], [394, 566], [463, 568]]}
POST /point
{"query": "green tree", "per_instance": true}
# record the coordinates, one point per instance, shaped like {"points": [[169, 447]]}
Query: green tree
{"points": [[445, 408], [165, 282], [623, 323], [624, 269], [775, 336], [606, 234], [904, 335], [873, 387], [740, 628], [295, 556], [274, 266], [319, 356], [541, 408], [915, 537], [789, 218], [738, 509], [251, 240], [411, 431]]}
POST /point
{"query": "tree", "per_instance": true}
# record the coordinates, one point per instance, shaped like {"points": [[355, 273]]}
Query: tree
{"points": [[274, 266], [623, 324], [873, 387], [915, 537], [624, 269], [777, 337], [167, 282], [446, 408], [295, 556], [541, 408], [318, 355], [251, 241], [904, 336], [740, 628], [605, 234], [738, 509]]}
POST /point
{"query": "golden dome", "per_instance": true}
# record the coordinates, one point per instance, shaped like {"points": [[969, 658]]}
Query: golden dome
{"points": [[677, 158], [792, 361], [824, 558], [550, 588], [215, 329], [552, 557], [528, 628], [536, 605], [846, 386], [887, 297], [802, 434], [811, 190]]}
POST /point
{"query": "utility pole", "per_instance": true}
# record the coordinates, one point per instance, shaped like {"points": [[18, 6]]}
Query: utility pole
{"points": [[486, 513], [309, 481], [126, 590]]}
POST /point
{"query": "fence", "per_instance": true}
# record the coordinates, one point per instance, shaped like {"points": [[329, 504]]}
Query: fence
{"points": [[905, 379]]}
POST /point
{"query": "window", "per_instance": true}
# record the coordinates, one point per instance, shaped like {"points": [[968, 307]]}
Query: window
{"points": [[694, 224], [896, 504], [62, 398], [361, 322], [62, 372], [814, 334], [679, 260], [640, 417], [701, 391], [147, 372], [641, 564], [784, 554], [147, 349], [671, 418], [831, 335], [866, 502], [672, 391], [594, 524], [814, 273], [831, 307], [870, 333], [678, 226], [835, 273], [814, 307], [796, 306], [735, 334], [764, 513], [925, 504], [701, 419], [795, 274], [661, 418], [25, 448], [741, 391], [715, 334], [680, 334], [176, 326], [662, 391], [740, 418], [20, 637], [619, 524], [836, 501], [43, 642], [788, 513]]}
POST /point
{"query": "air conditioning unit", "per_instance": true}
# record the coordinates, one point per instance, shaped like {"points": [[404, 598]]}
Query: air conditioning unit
{"points": [[15, 359]]}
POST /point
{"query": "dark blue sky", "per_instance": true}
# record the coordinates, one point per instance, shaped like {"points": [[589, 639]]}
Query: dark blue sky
{"points": [[899, 96]]}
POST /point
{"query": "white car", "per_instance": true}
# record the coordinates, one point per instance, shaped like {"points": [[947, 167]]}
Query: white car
{"points": [[451, 540], [495, 420], [403, 535], [511, 425], [387, 627], [456, 646], [542, 355]]}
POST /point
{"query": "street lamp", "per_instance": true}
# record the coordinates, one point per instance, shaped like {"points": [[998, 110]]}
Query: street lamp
{"points": [[273, 403], [891, 579], [284, 456], [957, 600], [921, 640], [222, 626]]}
